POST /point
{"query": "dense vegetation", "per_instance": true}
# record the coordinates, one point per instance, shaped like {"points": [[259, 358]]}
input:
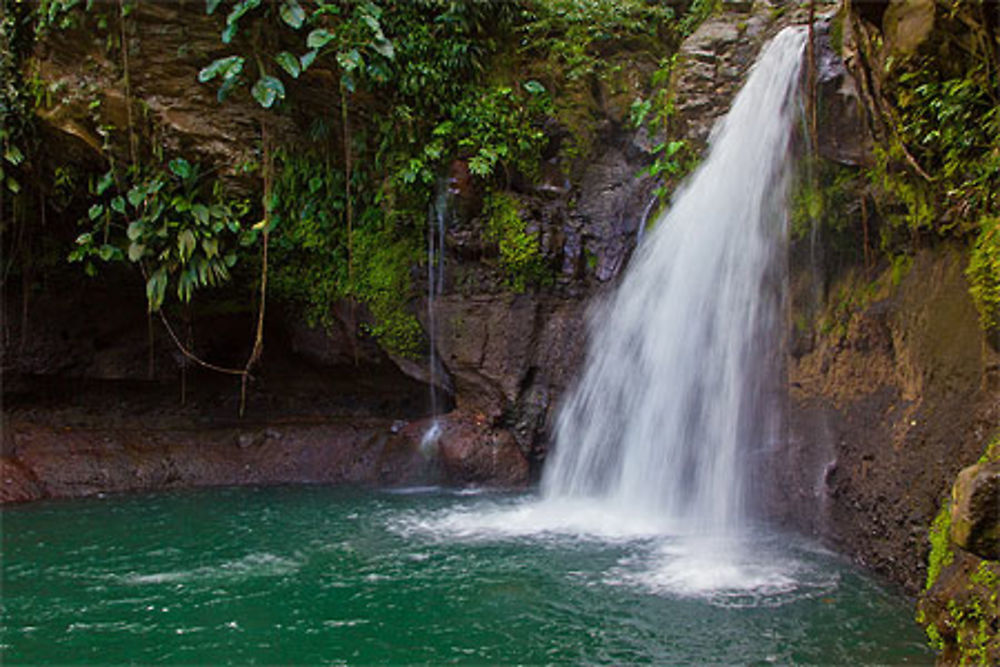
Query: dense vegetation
{"points": [[935, 117], [339, 209]]}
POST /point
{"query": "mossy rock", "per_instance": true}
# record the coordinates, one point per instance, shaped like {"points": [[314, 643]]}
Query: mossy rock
{"points": [[975, 510]]}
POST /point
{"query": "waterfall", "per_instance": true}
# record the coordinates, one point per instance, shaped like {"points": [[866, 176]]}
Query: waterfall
{"points": [[674, 396], [437, 221]]}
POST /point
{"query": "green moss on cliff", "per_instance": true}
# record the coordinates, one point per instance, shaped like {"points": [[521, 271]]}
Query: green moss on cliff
{"points": [[960, 610], [941, 554]]}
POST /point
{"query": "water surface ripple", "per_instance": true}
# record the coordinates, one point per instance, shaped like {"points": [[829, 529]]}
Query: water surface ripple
{"points": [[321, 575]]}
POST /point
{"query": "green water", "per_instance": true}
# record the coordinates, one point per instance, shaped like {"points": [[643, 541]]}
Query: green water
{"points": [[320, 575]]}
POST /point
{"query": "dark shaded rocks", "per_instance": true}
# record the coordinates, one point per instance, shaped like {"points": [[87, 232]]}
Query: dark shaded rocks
{"points": [[70, 462], [906, 24], [884, 411], [975, 510], [18, 484], [464, 448], [842, 135]]}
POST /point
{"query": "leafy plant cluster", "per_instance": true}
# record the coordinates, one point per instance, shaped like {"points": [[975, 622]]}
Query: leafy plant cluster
{"points": [[673, 158], [937, 172], [183, 234], [419, 85], [348, 218]]}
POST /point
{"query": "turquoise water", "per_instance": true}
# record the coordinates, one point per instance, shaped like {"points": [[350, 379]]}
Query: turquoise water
{"points": [[322, 575]]}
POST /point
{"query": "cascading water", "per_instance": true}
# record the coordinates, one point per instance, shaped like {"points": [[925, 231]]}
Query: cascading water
{"points": [[437, 222], [679, 394], [674, 391]]}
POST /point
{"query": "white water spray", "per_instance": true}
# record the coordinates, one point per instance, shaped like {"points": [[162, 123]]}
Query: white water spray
{"points": [[674, 391]]}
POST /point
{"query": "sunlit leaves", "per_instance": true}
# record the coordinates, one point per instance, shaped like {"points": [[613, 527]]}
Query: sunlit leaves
{"points": [[267, 91], [174, 226], [289, 63], [227, 68], [292, 13], [319, 38]]}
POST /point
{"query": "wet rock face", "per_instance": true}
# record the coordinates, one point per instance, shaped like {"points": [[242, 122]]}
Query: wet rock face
{"points": [[881, 417], [842, 135], [975, 512]]}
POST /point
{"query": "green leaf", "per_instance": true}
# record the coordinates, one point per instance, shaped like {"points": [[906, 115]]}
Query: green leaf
{"points": [[240, 9], [200, 212], [106, 252], [118, 204], [230, 259], [211, 6], [293, 14], [136, 195], [372, 23], [210, 246], [307, 58], [13, 155], [228, 68], [95, 211], [180, 167], [384, 47], [268, 90], [349, 60], [347, 81], [319, 38], [135, 230], [229, 32], [289, 63], [135, 251], [105, 182], [185, 244], [85, 239], [534, 87]]}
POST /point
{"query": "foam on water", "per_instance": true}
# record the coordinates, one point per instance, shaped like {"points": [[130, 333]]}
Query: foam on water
{"points": [[251, 565]]}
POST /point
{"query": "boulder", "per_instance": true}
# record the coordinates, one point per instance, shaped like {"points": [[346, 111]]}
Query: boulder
{"points": [[906, 24], [975, 510]]}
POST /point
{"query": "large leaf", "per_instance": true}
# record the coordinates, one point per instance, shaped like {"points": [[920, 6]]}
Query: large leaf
{"points": [[200, 212], [240, 9], [210, 246], [228, 68], [319, 38], [105, 182], [293, 14], [156, 288], [135, 230], [136, 195], [347, 81], [185, 244], [135, 251], [534, 87], [307, 58], [289, 63], [349, 60], [180, 167], [13, 155], [267, 91], [384, 47]]}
